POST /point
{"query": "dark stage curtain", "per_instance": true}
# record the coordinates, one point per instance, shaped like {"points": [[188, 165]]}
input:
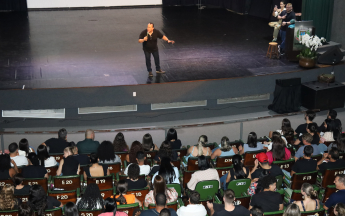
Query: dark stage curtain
{"points": [[261, 8], [13, 5], [321, 12], [236, 5]]}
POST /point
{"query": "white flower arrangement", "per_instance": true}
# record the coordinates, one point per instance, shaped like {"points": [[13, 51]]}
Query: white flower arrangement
{"points": [[312, 43]]}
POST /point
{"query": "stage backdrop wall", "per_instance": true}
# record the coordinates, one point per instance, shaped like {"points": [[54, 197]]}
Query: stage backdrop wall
{"points": [[88, 3], [338, 30]]}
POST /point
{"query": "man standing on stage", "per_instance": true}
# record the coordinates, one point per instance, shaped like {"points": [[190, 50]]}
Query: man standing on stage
{"points": [[287, 16], [149, 39]]}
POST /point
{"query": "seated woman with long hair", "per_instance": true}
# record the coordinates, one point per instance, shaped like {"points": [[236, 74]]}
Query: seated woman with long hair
{"points": [[148, 144], [69, 165], [331, 131], [292, 210], [7, 199], [205, 173], [339, 144], [6, 171], [24, 148], [279, 152], [44, 157], [92, 198], [225, 150], [110, 208], [252, 144], [168, 172], [39, 201], [165, 151], [119, 143], [25, 210], [34, 170], [71, 209], [308, 204], [95, 169], [159, 186], [106, 153], [285, 129], [132, 156], [199, 149], [171, 137], [123, 198]]}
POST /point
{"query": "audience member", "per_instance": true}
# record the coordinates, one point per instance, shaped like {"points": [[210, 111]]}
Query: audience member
{"points": [[19, 188], [140, 160], [225, 150], [268, 199], [252, 144], [276, 135], [148, 144], [132, 153], [330, 161], [256, 183], [133, 180], [24, 148], [309, 117], [228, 209], [81, 158], [71, 209], [165, 212], [34, 170], [57, 145], [339, 196], [306, 139], [256, 211], [45, 159], [332, 115], [122, 198], [25, 210], [285, 128], [308, 204], [165, 150], [171, 137], [7, 199], [312, 130], [88, 145], [6, 171], [69, 165], [106, 153], [200, 149], [14, 154], [39, 201], [306, 164], [95, 169], [110, 208], [331, 131], [238, 171], [92, 198], [160, 200], [120, 144], [205, 173], [169, 172], [279, 152], [340, 144], [194, 207], [159, 186], [292, 210], [339, 209], [262, 160]]}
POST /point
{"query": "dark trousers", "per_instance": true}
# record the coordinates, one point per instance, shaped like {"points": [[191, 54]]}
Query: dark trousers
{"points": [[148, 60], [283, 37]]}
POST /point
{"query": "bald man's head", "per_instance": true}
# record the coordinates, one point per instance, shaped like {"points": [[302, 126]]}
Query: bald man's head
{"points": [[89, 134]]}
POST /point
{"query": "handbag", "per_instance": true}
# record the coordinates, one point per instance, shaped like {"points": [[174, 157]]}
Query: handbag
{"points": [[326, 78]]}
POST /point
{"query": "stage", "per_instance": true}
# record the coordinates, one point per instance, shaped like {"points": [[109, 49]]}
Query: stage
{"points": [[93, 48]]}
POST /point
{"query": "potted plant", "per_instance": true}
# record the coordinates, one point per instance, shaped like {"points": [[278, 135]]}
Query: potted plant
{"points": [[308, 55]]}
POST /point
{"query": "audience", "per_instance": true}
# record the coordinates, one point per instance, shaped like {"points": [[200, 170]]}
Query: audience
{"points": [[165, 212], [262, 160], [308, 204], [7, 199], [256, 183], [340, 144], [14, 154], [285, 129], [268, 199], [110, 208], [312, 130], [25, 210], [339, 209], [19, 188], [172, 139], [228, 209], [71, 209], [194, 207], [225, 150], [140, 160], [148, 144], [238, 171], [339, 196], [57, 145], [95, 169], [292, 210], [24, 148], [305, 164], [34, 170], [200, 149], [330, 161], [159, 186], [279, 152], [88, 145], [106, 153], [39, 201], [6, 171], [256, 211], [44, 157], [160, 200], [252, 144], [92, 198], [307, 139], [165, 150], [170, 173], [69, 165], [331, 131], [331, 115], [120, 144], [81, 158], [205, 173], [132, 153], [122, 198], [309, 117], [133, 180]]}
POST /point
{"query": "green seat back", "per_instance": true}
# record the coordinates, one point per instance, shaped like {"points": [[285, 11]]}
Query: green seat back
{"points": [[319, 212], [275, 213], [177, 188], [286, 164], [239, 186], [207, 189], [279, 181]]}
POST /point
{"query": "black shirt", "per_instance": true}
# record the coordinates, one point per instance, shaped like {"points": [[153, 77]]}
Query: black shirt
{"points": [[56, 145], [337, 125], [154, 170], [139, 184], [269, 201], [24, 191], [176, 144], [238, 211], [151, 44], [70, 166], [304, 165], [340, 163], [316, 139], [32, 171], [52, 203], [274, 171], [289, 17], [301, 129], [5, 174], [82, 159]]}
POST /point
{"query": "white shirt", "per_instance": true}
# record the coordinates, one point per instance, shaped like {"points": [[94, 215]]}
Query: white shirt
{"points": [[20, 160], [144, 169], [50, 162], [192, 209]]}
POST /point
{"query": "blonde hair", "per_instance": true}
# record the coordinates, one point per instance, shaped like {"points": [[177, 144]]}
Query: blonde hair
{"points": [[292, 210], [7, 200], [226, 146], [308, 189]]}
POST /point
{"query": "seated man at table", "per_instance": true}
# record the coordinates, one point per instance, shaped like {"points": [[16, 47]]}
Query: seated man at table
{"points": [[331, 161]]}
